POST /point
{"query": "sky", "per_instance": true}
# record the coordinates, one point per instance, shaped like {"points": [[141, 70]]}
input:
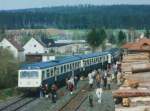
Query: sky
{"points": [[22, 4]]}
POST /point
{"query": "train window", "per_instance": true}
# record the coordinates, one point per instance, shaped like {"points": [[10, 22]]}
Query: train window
{"points": [[100, 59], [88, 62], [70, 66], [47, 73], [73, 65], [52, 72], [76, 65], [94, 60], [64, 68], [62, 71], [56, 71], [79, 64], [103, 58], [29, 74], [85, 63]]}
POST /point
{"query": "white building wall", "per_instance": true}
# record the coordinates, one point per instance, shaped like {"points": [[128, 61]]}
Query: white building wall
{"points": [[6, 44], [33, 46], [47, 58]]}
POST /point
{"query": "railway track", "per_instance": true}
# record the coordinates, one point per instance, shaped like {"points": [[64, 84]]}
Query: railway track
{"points": [[76, 101], [17, 104]]}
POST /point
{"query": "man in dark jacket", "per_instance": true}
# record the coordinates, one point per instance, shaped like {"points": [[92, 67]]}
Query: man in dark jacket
{"points": [[54, 93]]}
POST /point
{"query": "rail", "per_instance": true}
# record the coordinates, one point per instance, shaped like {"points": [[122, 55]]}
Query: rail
{"points": [[18, 104], [76, 101]]}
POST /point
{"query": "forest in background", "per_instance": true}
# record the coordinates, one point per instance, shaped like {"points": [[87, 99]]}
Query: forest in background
{"points": [[78, 17]]}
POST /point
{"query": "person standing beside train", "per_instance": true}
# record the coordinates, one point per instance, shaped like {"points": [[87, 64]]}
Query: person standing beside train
{"points": [[41, 91], [105, 80], [90, 80], [109, 82], [71, 85], [75, 81], [46, 90], [98, 80], [54, 89]]}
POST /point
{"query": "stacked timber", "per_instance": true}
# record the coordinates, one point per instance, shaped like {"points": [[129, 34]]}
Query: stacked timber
{"points": [[136, 70], [131, 93], [135, 63], [143, 67], [136, 57]]}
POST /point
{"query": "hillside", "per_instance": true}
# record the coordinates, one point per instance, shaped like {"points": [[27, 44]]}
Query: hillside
{"points": [[78, 17]]}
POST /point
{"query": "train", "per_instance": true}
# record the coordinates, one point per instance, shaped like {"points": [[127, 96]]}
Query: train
{"points": [[36, 74]]}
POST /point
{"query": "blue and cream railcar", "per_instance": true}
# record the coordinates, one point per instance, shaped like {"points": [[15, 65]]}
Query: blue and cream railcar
{"points": [[65, 68], [33, 75], [94, 61]]}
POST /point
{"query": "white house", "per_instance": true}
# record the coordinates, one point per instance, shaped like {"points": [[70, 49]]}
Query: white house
{"points": [[14, 47], [45, 45], [33, 46], [38, 48]]}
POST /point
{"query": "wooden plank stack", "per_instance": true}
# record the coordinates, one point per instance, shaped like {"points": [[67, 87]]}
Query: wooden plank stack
{"points": [[135, 84], [132, 63]]}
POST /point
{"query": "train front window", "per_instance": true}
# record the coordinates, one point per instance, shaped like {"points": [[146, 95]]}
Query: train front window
{"points": [[29, 74]]}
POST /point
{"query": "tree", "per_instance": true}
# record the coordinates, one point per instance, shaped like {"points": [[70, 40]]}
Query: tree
{"points": [[121, 38], [2, 33], [95, 38], [112, 39], [147, 33], [8, 69]]}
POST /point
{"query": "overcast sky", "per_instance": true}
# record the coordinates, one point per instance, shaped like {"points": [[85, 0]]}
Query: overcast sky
{"points": [[21, 4]]}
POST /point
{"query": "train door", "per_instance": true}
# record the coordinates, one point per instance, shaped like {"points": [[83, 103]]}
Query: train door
{"points": [[43, 74]]}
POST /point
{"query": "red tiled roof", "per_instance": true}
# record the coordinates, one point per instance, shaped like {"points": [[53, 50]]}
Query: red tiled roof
{"points": [[127, 45], [138, 45]]}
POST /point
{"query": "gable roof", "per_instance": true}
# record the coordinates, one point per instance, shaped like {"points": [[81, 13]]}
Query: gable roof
{"points": [[15, 43]]}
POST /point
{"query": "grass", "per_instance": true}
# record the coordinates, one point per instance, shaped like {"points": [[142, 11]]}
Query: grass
{"points": [[9, 92]]}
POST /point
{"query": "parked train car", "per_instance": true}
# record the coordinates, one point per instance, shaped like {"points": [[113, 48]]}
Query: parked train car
{"points": [[33, 75]]}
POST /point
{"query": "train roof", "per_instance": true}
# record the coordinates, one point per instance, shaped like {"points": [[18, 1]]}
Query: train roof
{"points": [[41, 65], [38, 65]]}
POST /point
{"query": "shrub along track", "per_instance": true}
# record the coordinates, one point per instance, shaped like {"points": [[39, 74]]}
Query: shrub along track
{"points": [[76, 101]]}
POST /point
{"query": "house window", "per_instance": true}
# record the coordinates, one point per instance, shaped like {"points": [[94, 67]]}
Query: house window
{"points": [[34, 45]]}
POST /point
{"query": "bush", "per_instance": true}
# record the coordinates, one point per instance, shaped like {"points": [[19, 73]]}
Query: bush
{"points": [[8, 69]]}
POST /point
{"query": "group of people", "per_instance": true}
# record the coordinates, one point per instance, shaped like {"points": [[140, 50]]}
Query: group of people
{"points": [[44, 91], [51, 92], [71, 83], [98, 79], [103, 79]]}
